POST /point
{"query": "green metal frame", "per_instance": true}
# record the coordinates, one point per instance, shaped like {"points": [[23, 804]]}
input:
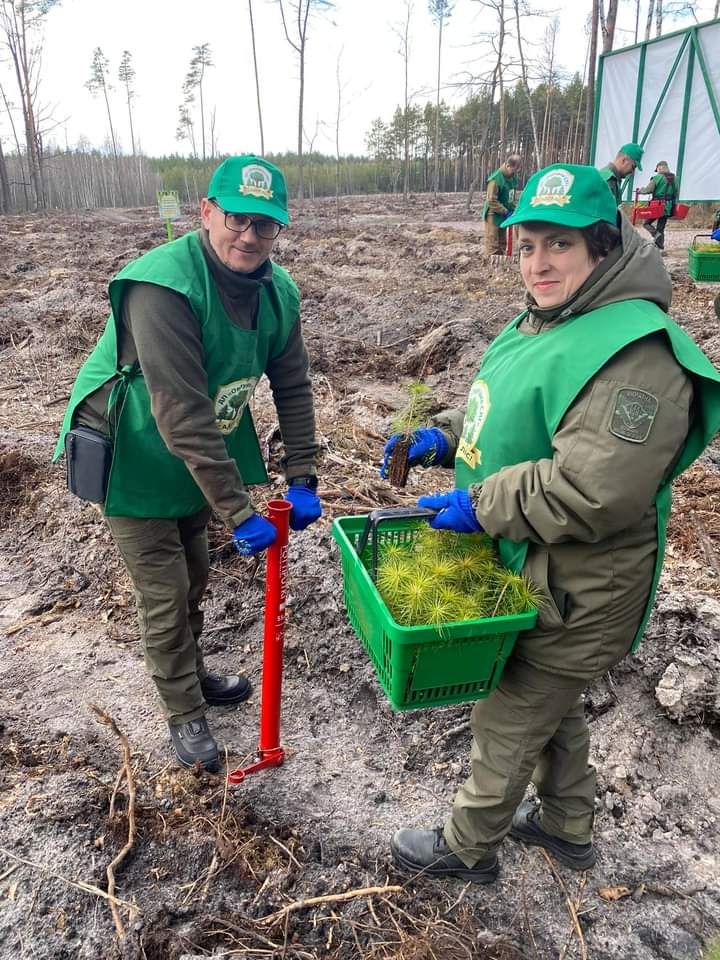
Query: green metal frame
{"points": [[691, 44]]}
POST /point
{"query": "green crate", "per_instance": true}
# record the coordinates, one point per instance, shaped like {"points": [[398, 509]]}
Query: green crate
{"points": [[421, 666], [702, 265]]}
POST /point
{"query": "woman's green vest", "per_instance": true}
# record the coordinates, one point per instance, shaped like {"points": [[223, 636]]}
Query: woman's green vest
{"points": [[146, 480], [505, 186], [526, 384], [664, 189]]}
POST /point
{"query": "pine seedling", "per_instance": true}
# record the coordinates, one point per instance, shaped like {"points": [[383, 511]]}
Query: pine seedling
{"points": [[413, 415]]}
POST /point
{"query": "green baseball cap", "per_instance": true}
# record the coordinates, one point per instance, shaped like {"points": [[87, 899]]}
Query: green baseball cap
{"points": [[565, 193], [249, 184], [634, 151]]}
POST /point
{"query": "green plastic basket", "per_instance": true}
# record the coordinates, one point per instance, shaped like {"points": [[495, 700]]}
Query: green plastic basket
{"points": [[703, 265], [427, 665]]}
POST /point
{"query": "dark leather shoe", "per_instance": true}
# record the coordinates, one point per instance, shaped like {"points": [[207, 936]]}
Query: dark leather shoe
{"points": [[222, 691], [193, 741], [427, 852], [526, 828]]}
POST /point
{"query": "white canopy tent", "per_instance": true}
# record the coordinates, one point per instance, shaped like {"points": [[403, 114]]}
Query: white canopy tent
{"points": [[665, 95]]}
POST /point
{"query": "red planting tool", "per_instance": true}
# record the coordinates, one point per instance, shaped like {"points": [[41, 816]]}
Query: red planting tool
{"points": [[508, 249], [270, 753]]}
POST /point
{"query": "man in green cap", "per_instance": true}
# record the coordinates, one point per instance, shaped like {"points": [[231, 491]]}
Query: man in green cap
{"points": [[626, 161], [662, 186], [498, 203], [165, 394], [585, 408]]}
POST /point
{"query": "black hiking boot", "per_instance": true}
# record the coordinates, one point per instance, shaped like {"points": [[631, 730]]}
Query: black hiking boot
{"points": [[526, 828], [192, 742], [223, 691], [427, 852]]}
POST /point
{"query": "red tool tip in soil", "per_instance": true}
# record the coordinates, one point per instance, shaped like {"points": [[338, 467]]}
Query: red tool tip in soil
{"points": [[270, 752]]}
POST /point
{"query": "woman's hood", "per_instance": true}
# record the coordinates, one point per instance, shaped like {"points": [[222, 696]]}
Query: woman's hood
{"points": [[638, 274]]}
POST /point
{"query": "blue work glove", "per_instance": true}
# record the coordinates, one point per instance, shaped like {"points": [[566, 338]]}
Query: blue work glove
{"points": [[429, 447], [254, 535], [456, 511], [306, 508], [715, 235]]}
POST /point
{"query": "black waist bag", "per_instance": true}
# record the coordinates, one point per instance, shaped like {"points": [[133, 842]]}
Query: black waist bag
{"points": [[88, 454]]}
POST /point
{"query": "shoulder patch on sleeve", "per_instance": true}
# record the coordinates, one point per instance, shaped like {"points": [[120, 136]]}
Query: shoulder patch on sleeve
{"points": [[633, 415]]}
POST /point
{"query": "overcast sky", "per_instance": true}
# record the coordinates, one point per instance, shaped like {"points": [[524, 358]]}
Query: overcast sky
{"points": [[160, 35]]}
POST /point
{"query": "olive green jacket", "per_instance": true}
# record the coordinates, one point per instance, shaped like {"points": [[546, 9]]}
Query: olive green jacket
{"points": [[588, 512]]}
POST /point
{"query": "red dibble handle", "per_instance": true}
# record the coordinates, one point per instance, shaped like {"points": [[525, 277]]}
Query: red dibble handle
{"points": [[270, 753]]}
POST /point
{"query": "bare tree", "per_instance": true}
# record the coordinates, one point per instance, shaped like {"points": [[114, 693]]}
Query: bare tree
{"points": [[525, 84], [21, 23], [607, 24], [126, 76], [403, 32], [257, 79], [440, 11], [300, 10], [716, 11], [550, 41], [4, 183], [658, 17], [592, 67], [648, 24], [98, 83]]}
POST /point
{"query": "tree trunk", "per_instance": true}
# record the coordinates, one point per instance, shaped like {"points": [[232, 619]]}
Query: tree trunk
{"points": [[526, 88], [592, 66], [658, 17], [4, 184], [609, 25], [648, 25], [257, 80], [436, 172]]}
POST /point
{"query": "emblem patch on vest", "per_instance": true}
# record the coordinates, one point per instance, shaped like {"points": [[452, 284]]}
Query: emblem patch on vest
{"points": [[478, 407], [257, 182], [553, 190], [634, 415], [230, 402]]}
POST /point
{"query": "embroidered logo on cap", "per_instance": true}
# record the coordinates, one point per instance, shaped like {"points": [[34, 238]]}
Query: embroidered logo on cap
{"points": [[553, 189], [634, 415], [257, 182]]}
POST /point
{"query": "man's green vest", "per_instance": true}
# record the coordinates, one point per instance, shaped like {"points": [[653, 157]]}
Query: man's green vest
{"points": [[146, 480], [664, 189], [526, 384], [615, 184], [505, 186]]}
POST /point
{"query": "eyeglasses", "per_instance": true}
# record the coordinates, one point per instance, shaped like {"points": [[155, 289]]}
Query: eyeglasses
{"points": [[239, 223]]}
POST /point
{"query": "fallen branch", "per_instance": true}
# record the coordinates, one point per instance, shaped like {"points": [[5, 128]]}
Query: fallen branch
{"points": [[569, 904], [76, 884], [126, 772], [328, 898]]}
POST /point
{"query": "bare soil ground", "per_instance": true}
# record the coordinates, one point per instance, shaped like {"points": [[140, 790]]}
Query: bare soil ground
{"points": [[391, 294]]}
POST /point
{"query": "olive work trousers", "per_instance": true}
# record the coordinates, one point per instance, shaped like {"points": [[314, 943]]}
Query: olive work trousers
{"points": [[168, 564], [532, 727], [495, 237]]}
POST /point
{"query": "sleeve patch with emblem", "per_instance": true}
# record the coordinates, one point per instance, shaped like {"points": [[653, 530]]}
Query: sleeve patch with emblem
{"points": [[633, 416]]}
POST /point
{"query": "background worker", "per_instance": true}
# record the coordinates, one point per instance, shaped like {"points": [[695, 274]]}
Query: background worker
{"points": [[194, 324], [498, 203], [584, 409], [663, 186], [626, 161]]}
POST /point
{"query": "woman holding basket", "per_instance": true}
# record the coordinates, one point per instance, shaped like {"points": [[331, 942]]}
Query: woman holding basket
{"points": [[584, 409]]}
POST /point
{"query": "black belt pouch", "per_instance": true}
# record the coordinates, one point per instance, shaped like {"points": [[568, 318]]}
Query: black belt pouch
{"points": [[88, 454]]}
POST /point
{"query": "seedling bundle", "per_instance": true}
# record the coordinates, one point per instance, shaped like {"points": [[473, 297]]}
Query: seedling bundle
{"points": [[442, 616]]}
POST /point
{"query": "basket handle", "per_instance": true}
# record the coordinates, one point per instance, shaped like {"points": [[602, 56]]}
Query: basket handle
{"points": [[709, 235], [376, 517]]}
